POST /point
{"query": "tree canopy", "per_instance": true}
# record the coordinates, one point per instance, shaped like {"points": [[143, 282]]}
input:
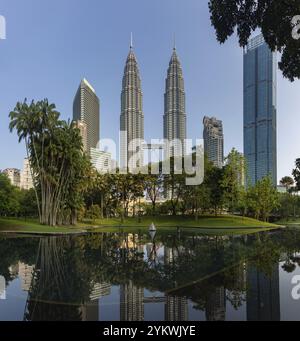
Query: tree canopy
{"points": [[273, 17]]}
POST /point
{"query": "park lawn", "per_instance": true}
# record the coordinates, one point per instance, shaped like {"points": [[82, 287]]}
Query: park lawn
{"points": [[209, 224], [32, 226], [221, 225], [289, 222]]}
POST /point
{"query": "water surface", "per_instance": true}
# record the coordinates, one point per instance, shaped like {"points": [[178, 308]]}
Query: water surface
{"points": [[135, 277]]}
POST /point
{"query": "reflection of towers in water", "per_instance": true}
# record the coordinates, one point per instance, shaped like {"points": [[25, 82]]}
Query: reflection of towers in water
{"points": [[171, 254], [216, 305], [263, 300], [90, 310], [176, 308], [26, 275], [131, 302]]}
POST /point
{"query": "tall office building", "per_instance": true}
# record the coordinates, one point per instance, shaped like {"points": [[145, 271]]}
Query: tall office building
{"points": [[86, 108], [26, 176], [132, 117], [214, 141], [260, 110], [175, 115]]}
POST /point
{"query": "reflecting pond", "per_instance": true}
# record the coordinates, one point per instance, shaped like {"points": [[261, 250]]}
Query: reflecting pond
{"points": [[136, 277]]}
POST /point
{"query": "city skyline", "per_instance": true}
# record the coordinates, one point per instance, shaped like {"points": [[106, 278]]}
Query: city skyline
{"points": [[206, 71]]}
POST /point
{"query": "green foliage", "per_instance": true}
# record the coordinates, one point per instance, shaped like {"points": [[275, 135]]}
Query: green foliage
{"points": [[287, 182], [263, 198], [233, 180], [273, 17], [154, 188], [59, 167], [9, 197], [213, 180], [94, 212], [28, 204], [289, 206], [296, 174]]}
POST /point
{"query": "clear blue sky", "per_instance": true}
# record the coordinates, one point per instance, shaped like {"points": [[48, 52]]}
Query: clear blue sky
{"points": [[51, 45]]}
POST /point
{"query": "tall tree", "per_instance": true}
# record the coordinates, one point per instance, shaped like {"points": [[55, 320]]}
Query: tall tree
{"points": [[263, 198], [154, 188], [57, 163], [233, 179], [296, 174], [213, 179]]}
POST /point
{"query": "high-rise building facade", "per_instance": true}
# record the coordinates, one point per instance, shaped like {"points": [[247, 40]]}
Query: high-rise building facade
{"points": [[26, 176], [214, 140], [86, 108], [260, 110], [14, 176], [175, 111], [132, 116]]}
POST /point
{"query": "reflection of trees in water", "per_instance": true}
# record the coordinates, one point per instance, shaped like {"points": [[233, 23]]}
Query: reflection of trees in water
{"points": [[119, 259], [59, 285], [15, 250], [202, 269]]}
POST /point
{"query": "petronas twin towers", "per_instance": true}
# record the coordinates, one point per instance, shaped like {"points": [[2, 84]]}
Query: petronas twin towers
{"points": [[132, 116]]}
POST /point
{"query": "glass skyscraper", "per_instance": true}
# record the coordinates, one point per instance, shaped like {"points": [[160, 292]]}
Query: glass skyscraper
{"points": [[260, 110], [86, 108]]}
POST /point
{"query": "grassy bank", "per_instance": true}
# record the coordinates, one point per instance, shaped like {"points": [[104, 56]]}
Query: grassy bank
{"points": [[209, 225], [290, 222], [32, 226]]}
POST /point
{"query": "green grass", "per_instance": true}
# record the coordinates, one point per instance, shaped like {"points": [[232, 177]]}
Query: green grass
{"points": [[31, 226], [205, 225], [211, 224], [289, 222]]}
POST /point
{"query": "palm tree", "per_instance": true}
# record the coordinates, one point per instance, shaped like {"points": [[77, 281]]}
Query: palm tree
{"points": [[21, 120], [287, 182], [54, 150]]}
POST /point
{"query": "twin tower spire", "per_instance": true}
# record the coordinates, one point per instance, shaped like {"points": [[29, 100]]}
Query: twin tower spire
{"points": [[132, 116]]}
